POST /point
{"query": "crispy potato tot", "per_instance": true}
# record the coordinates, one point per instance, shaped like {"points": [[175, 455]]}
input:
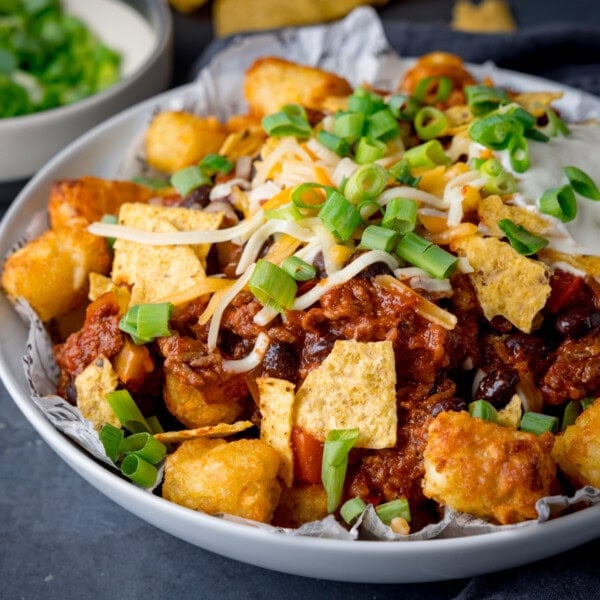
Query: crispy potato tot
{"points": [[482, 468], [272, 82], [88, 199], [51, 272], [188, 404], [177, 139], [215, 476], [577, 450], [300, 504]]}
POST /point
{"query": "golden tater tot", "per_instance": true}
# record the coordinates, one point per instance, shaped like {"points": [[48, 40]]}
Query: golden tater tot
{"points": [[188, 404], [51, 272], [482, 468], [577, 450], [272, 82], [300, 504], [177, 139], [88, 199], [215, 476]]}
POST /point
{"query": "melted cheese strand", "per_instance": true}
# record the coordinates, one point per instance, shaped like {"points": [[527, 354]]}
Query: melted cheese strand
{"points": [[405, 191], [252, 360]]}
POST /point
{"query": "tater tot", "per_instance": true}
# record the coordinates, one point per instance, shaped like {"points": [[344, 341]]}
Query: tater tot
{"points": [[51, 272], [300, 504], [215, 476], [493, 472], [577, 450], [177, 139]]}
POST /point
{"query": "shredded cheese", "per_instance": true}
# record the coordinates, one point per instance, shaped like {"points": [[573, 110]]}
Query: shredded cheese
{"points": [[252, 360]]}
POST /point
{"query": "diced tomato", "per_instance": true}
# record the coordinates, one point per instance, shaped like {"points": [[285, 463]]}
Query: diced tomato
{"points": [[308, 456], [566, 289]]}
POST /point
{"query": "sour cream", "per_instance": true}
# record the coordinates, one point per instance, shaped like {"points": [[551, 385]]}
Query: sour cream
{"points": [[579, 149]]}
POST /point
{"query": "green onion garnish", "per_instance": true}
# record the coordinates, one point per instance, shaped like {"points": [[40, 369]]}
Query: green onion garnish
{"points": [[111, 438], [364, 101], [352, 509], [400, 215], [368, 151], [482, 99], [299, 269], [427, 155], [519, 114], [139, 471], [560, 203], [538, 423], [422, 253], [272, 286], [430, 123], [401, 173], [441, 85], [587, 402], [334, 143], [307, 195], [290, 120], [482, 409], [156, 183], [520, 239], [127, 411], [379, 238], [348, 126], [382, 125], [188, 179], [518, 152], [536, 135], [388, 511], [286, 212], [145, 446], [501, 184], [556, 125], [215, 163], [582, 183], [404, 107], [366, 183], [572, 410], [495, 131], [337, 446], [153, 320], [491, 167], [339, 215]]}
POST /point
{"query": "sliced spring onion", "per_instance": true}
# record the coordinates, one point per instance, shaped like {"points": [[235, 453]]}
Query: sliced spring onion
{"points": [[501, 184], [404, 107], [153, 320], [291, 120], [536, 135], [334, 143], [560, 203], [400, 215], [401, 173], [287, 212], [188, 179], [272, 286], [392, 509], [430, 123], [299, 269], [111, 438], [339, 215], [368, 151], [366, 183], [587, 402], [382, 125], [518, 114], [379, 238], [518, 152], [309, 195], [352, 509], [215, 163], [364, 101], [520, 239], [582, 183], [491, 167], [483, 99], [156, 183], [538, 423], [139, 471], [482, 409], [556, 125], [427, 155], [422, 253], [145, 446], [154, 423], [572, 410], [494, 131], [348, 126], [424, 90], [337, 446], [127, 411]]}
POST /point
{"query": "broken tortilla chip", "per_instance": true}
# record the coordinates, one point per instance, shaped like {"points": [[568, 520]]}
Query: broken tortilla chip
{"points": [[355, 386], [589, 265], [492, 209], [506, 282], [210, 431], [276, 408]]}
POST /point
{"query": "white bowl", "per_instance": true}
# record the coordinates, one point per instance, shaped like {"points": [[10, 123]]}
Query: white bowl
{"points": [[142, 32]]}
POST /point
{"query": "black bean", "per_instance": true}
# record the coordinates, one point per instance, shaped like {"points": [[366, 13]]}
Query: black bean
{"points": [[281, 361], [575, 322], [198, 198], [448, 404], [498, 386]]}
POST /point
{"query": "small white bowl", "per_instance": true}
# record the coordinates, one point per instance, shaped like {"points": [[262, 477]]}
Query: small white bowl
{"points": [[141, 31]]}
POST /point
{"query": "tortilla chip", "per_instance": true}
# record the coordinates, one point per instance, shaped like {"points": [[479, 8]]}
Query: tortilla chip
{"points": [[492, 209], [487, 16], [355, 386], [92, 385], [510, 415], [276, 408], [458, 117], [537, 102], [210, 431], [506, 282], [587, 264]]}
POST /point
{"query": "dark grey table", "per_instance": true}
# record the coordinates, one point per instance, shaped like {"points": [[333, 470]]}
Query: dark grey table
{"points": [[61, 539]]}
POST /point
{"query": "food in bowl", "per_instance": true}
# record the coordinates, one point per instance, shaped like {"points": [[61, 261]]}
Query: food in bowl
{"points": [[49, 58], [364, 297]]}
